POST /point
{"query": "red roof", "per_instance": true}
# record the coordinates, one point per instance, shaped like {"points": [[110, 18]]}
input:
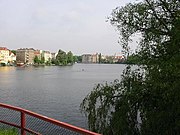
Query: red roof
{"points": [[119, 57], [37, 52], [3, 48]]}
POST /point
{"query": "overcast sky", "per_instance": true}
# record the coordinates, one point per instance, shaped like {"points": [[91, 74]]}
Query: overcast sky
{"points": [[71, 25]]}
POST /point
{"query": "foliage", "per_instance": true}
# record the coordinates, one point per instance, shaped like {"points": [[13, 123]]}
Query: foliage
{"points": [[70, 57], [9, 132], [132, 59], [75, 59], [79, 59], [63, 59], [108, 59], [54, 61], [37, 60], [13, 51], [42, 60], [48, 63], [100, 58], [147, 100]]}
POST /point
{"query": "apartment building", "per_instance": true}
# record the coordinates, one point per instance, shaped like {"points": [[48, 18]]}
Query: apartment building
{"points": [[1, 57], [4, 55], [47, 56], [90, 58], [86, 58], [95, 58], [25, 55], [38, 53]]}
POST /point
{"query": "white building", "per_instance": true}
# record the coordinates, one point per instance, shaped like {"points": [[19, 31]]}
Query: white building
{"points": [[47, 56], [12, 57], [53, 55], [4, 55]]}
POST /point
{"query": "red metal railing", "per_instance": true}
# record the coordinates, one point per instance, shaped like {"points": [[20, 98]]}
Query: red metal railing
{"points": [[27, 117]]}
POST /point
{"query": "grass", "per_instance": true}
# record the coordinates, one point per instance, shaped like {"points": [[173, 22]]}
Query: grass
{"points": [[12, 131]]}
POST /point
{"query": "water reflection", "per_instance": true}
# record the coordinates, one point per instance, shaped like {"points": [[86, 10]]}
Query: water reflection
{"points": [[6, 69]]}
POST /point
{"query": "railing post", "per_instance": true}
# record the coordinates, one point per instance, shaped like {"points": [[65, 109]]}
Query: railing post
{"points": [[23, 123]]}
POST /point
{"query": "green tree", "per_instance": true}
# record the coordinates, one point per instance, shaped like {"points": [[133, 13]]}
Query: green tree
{"points": [[42, 60], [75, 59], [79, 59], [70, 57], [54, 61], [48, 62], [100, 58], [146, 100], [62, 57], [110, 59], [36, 59], [132, 59], [13, 51]]}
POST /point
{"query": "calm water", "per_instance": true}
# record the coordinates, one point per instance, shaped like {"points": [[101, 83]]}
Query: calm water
{"points": [[54, 91]]}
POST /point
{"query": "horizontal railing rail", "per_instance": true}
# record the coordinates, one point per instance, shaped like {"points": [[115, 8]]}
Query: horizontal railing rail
{"points": [[23, 113]]}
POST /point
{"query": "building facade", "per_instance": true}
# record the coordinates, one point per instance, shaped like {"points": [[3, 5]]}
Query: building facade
{"points": [[95, 58], [38, 54], [90, 58], [4, 55], [25, 56], [47, 56], [86, 58]]}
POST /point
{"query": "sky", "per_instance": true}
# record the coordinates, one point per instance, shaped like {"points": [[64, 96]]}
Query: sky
{"points": [[71, 25]]}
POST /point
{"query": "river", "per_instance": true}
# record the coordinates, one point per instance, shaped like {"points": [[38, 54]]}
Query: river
{"points": [[54, 91]]}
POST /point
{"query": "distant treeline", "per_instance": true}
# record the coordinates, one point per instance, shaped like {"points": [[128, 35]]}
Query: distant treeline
{"points": [[132, 59], [61, 59]]}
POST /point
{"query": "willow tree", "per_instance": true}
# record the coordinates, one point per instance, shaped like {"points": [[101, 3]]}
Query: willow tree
{"points": [[145, 100]]}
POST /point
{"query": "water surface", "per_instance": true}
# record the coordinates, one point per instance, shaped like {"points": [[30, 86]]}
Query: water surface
{"points": [[54, 91]]}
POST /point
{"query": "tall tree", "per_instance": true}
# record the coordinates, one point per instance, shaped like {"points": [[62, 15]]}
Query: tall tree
{"points": [[75, 59], [36, 59], [62, 57], [100, 58], [79, 58], [42, 60], [70, 57], [146, 100]]}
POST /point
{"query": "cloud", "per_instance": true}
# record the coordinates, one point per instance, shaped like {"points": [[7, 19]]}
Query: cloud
{"points": [[73, 15], [76, 25]]}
